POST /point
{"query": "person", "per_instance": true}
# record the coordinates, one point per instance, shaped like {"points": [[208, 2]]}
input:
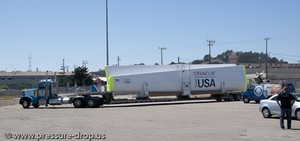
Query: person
{"points": [[285, 101]]}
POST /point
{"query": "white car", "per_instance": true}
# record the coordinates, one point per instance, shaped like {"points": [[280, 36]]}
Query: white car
{"points": [[269, 107]]}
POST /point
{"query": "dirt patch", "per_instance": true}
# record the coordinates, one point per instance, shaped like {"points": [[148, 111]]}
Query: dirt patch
{"points": [[9, 102], [8, 99]]}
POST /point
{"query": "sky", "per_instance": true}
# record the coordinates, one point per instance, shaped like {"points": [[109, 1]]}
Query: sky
{"points": [[39, 34]]}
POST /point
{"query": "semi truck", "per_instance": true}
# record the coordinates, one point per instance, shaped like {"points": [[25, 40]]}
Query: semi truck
{"points": [[222, 81], [47, 94]]}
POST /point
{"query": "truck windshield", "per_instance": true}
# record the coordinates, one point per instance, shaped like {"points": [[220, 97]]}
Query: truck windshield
{"points": [[251, 88], [42, 85]]}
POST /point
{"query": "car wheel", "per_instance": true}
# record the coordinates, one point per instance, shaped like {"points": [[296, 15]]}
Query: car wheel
{"points": [[246, 99], [257, 101], [266, 112], [297, 114]]}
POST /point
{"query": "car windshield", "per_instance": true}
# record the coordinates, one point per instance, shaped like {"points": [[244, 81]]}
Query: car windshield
{"points": [[297, 97], [273, 98], [251, 88]]}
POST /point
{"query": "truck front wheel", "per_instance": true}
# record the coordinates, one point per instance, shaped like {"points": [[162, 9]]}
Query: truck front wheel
{"points": [[26, 103]]}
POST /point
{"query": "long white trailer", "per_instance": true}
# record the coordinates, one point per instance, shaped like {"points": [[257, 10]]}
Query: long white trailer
{"points": [[220, 80]]}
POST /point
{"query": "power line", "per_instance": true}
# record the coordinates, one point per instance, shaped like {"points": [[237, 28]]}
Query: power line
{"points": [[286, 57], [238, 42], [284, 54]]}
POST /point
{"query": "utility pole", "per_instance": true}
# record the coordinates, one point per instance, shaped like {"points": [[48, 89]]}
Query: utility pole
{"points": [[118, 61], [63, 66], [84, 63], [30, 67], [267, 57], [107, 57], [210, 43], [161, 54]]}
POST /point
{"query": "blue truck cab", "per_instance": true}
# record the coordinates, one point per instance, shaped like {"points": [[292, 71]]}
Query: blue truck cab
{"points": [[259, 92], [41, 95]]}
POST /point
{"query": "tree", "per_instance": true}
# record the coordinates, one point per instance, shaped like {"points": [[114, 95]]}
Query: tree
{"points": [[172, 63], [197, 62], [225, 55], [206, 58], [81, 76]]}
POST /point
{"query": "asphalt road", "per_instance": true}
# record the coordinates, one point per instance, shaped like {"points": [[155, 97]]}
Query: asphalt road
{"points": [[168, 121]]}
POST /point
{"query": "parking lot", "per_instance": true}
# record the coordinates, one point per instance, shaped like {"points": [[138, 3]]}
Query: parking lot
{"points": [[181, 120]]}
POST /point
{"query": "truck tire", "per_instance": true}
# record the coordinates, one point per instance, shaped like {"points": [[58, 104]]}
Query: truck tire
{"points": [[91, 103], [246, 99], [26, 103], [218, 98], [257, 101], [230, 97], [78, 103]]}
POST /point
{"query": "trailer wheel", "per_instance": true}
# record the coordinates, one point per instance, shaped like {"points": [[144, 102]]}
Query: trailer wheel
{"points": [[218, 98], [237, 97], [26, 103], [91, 103], [78, 103], [230, 97], [246, 99]]}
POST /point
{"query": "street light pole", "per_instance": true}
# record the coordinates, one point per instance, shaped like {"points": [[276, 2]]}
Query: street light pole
{"points": [[107, 58], [267, 57], [161, 54]]}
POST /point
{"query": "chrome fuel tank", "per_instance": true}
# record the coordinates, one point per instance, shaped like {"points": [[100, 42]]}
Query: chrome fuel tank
{"points": [[59, 101]]}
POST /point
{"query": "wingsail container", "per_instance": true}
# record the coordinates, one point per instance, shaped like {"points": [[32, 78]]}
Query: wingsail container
{"points": [[180, 80]]}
